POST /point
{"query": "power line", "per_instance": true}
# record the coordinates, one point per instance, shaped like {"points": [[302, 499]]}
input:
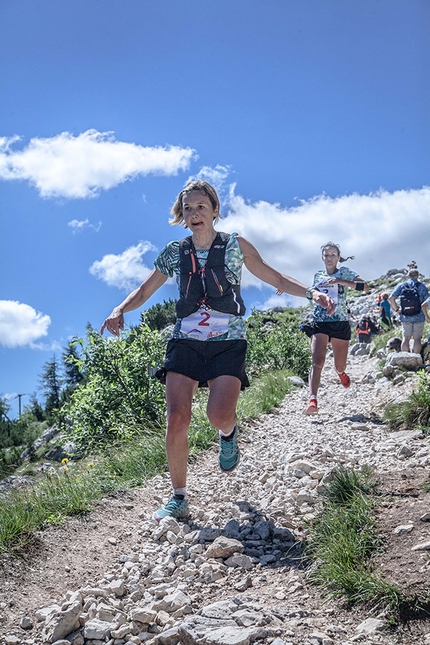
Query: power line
{"points": [[19, 397]]}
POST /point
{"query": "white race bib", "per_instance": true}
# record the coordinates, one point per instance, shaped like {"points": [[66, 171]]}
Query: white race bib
{"points": [[329, 289], [204, 324]]}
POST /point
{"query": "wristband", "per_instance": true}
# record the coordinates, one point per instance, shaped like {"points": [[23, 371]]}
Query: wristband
{"points": [[309, 292], [359, 286]]}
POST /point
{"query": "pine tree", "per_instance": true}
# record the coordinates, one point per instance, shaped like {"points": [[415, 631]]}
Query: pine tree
{"points": [[73, 374], [161, 315], [51, 384]]}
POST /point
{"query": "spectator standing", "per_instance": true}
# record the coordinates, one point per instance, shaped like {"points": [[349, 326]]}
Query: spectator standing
{"points": [[385, 312], [411, 294], [362, 330]]}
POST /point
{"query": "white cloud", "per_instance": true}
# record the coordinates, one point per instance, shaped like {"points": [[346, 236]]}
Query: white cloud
{"points": [[276, 301], [20, 324], [54, 346], [217, 177], [82, 166], [78, 226], [125, 271], [382, 230]]}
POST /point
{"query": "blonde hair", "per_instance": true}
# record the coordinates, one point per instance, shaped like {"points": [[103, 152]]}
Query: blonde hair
{"points": [[201, 186], [332, 245]]}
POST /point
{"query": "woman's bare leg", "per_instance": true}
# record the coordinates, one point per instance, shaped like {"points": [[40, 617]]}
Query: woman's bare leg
{"points": [[340, 353], [318, 348], [180, 390]]}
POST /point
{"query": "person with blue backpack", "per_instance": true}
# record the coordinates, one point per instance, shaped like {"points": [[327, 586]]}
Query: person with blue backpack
{"points": [[411, 295]]}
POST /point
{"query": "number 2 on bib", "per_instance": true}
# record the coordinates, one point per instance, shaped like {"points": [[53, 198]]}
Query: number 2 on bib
{"points": [[204, 321]]}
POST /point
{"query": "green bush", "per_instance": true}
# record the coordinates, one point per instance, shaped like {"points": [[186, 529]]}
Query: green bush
{"points": [[120, 396], [160, 315], [277, 344]]}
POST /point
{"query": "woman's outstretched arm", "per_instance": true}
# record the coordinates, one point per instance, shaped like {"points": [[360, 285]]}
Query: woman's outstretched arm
{"points": [[283, 283], [114, 323]]}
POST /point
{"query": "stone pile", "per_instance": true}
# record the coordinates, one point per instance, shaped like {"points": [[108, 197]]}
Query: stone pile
{"points": [[233, 573]]}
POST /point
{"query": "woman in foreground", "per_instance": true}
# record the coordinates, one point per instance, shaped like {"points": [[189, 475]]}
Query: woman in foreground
{"points": [[208, 344]]}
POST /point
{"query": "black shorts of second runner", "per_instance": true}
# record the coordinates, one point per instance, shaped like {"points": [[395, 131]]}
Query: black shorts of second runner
{"points": [[205, 360], [340, 329]]}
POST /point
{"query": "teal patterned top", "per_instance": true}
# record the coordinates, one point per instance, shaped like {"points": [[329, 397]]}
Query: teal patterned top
{"points": [[337, 292], [168, 263]]}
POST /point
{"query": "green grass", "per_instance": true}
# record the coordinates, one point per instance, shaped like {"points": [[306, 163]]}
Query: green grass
{"points": [[343, 539], [415, 411], [75, 486], [54, 498], [380, 341]]}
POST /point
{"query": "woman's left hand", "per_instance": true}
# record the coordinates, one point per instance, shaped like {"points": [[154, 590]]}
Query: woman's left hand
{"points": [[324, 301], [320, 299]]}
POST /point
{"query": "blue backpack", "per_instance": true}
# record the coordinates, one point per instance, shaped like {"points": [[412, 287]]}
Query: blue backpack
{"points": [[410, 302]]}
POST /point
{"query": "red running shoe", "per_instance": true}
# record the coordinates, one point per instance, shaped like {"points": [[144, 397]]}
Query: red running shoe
{"points": [[345, 380], [312, 407]]}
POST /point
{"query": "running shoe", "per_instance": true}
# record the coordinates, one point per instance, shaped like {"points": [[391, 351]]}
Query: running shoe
{"points": [[312, 407], [229, 454], [176, 507], [345, 380]]}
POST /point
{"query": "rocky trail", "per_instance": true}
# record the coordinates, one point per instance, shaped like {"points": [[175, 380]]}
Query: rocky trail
{"points": [[232, 574]]}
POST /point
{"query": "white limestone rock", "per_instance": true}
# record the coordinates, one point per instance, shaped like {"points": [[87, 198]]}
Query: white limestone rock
{"points": [[223, 547], [60, 624]]}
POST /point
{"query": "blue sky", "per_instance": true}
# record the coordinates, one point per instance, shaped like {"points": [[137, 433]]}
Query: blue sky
{"points": [[311, 116]]}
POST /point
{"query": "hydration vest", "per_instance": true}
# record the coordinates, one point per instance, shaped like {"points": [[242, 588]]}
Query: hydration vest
{"points": [[207, 285]]}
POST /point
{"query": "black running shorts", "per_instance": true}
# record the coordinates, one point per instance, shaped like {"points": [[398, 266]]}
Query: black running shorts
{"points": [[340, 329], [205, 360]]}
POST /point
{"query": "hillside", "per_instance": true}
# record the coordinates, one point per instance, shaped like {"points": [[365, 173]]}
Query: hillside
{"points": [[127, 580]]}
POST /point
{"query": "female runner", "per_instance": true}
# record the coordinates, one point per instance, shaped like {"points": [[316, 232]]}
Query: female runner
{"points": [[328, 326]]}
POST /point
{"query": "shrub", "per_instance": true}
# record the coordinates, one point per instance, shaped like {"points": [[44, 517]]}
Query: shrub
{"points": [[120, 396], [276, 343]]}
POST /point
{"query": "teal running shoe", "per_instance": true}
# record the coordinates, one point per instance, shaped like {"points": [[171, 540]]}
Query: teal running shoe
{"points": [[176, 507], [229, 454]]}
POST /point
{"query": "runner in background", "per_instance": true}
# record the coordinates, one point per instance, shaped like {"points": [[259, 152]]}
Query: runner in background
{"points": [[327, 326], [208, 345]]}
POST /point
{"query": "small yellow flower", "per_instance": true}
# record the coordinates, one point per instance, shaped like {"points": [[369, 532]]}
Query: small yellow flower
{"points": [[65, 468], [64, 461], [90, 465]]}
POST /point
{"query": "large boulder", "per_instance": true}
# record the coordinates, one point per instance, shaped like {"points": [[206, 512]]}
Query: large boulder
{"points": [[406, 360]]}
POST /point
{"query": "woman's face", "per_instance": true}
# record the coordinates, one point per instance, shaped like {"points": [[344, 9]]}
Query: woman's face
{"points": [[198, 212], [330, 258]]}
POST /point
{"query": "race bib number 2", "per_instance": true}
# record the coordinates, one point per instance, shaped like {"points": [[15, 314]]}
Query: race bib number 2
{"points": [[329, 289], [205, 324]]}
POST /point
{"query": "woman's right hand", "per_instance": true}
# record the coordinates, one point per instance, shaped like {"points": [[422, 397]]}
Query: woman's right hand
{"points": [[114, 323]]}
